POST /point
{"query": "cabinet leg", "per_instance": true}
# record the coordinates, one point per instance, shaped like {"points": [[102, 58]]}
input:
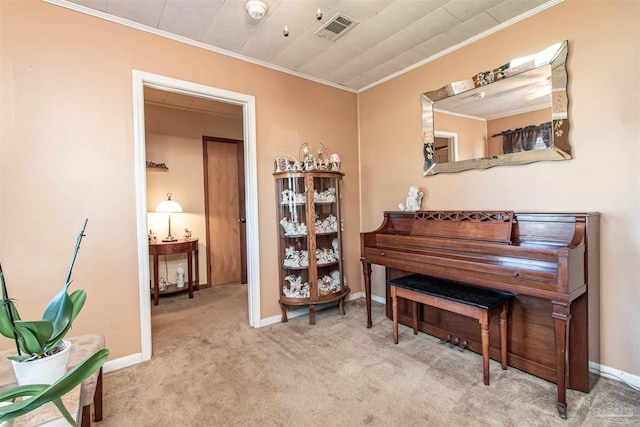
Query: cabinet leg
{"points": [[341, 306], [284, 313], [312, 314]]}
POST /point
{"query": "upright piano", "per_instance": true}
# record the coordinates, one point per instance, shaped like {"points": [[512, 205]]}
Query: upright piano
{"points": [[550, 261]]}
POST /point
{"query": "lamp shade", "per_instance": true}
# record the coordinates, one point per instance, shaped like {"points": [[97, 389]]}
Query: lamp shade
{"points": [[168, 206]]}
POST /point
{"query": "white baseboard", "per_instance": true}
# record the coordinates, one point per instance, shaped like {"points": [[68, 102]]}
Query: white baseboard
{"points": [[305, 310], [123, 362], [616, 374], [376, 298]]}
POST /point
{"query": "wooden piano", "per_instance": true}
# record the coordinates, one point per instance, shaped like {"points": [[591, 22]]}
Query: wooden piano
{"points": [[549, 261]]}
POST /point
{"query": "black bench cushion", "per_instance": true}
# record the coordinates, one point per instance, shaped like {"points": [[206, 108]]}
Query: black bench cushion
{"points": [[453, 291]]}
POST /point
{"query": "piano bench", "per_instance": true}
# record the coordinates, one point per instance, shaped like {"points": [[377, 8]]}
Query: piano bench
{"points": [[471, 301]]}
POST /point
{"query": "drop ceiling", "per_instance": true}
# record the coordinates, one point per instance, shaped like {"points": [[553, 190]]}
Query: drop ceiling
{"points": [[391, 36]]}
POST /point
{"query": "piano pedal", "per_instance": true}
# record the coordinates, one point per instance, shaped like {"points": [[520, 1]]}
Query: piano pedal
{"points": [[464, 345], [456, 341], [447, 340]]}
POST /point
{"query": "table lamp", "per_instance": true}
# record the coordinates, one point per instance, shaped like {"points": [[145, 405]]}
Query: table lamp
{"points": [[169, 206]]}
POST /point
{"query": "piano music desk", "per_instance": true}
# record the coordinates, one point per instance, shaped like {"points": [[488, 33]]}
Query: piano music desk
{"points": [[470, 301]]}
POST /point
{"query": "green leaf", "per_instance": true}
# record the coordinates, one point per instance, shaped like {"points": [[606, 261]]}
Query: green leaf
{"points": [[78, 299], [34, 334], [6, 327], [59, 311], [37, 395]]}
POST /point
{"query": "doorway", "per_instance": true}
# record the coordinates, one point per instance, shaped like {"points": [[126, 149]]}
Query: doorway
{"points": [[446, 147], [247, 102]]}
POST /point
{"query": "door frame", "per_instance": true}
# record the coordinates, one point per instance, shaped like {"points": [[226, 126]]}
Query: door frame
{"points": [[248, 104]]}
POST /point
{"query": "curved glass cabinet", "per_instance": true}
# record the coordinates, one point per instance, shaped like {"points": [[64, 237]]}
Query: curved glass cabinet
{"points": [[310, 240]]}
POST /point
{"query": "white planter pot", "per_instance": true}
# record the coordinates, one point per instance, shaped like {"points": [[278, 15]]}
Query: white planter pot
{"points": [[43, 371]]}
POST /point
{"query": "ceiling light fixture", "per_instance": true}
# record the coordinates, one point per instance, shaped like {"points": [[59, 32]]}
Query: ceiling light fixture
{"points": [[256, 9], [285, 31], [319, 12]]}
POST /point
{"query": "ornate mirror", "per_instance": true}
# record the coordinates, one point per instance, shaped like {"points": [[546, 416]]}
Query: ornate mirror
{"points": [[512, 115]]}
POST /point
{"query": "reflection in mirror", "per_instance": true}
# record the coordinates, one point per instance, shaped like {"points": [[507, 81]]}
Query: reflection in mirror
{"points": [[512, 115]]}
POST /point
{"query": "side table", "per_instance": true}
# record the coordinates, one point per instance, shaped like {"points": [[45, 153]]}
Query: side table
{"points": [[190, 247]]}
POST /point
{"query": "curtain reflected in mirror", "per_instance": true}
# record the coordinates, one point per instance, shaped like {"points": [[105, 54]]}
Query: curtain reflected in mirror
{"points": [[514, 114]]}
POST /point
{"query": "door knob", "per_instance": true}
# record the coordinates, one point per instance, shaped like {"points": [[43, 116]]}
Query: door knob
{"points": [[242, 220]]}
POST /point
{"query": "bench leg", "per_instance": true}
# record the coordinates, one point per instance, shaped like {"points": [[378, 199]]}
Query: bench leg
{"points": [[484, 325], [503, 335], [415, 317], [85, 420], [394, 306], [97, 399]]}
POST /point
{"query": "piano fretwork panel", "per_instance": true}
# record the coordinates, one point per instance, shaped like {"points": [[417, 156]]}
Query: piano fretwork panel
{"points": [[550, 261]]}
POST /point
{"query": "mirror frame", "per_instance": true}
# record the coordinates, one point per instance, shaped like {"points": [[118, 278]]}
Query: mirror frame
{"points": [[559, 150]]}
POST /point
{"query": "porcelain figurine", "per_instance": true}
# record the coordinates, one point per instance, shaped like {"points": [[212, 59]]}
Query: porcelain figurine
{"points": [[334, 160], [414, 199], [180, 276], [187, 234], [162, 284]]}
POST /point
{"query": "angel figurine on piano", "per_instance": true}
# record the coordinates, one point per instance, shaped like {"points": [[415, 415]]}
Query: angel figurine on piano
{"points": [[414, 199]]}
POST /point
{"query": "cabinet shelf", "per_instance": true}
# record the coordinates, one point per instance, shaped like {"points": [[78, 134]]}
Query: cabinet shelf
{"points": [[316, 283], [286, 267], [327, 264]]}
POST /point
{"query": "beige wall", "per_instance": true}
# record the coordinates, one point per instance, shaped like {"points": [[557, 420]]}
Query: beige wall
{"points": [[66, 146], [67, 153], [472, 133], [603, 68]]}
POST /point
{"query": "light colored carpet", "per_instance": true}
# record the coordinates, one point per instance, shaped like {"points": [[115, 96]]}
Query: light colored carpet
{"points": [[209, 368]]}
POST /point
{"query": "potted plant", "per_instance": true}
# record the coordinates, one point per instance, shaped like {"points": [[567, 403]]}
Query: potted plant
{"points": [[40, 342]]}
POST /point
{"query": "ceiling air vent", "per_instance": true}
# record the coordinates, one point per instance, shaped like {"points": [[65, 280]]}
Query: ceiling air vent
{"points": [[336, 27]]}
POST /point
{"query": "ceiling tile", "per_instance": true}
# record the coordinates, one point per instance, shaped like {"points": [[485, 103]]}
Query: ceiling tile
{"points": [[435, 45], [389, 33], [146, 12], [472, 27], [189, 19], [467, 9], [433, 24], [512, 8]]}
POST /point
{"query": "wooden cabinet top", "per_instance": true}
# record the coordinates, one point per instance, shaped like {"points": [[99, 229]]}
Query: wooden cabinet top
{"points": [[178, 246]]}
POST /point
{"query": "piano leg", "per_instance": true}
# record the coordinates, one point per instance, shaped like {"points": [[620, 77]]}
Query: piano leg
{"points": [[366, 271], [561, 319]]}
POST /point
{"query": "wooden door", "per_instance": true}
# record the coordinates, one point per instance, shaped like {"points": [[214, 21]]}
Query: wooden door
{"points": [[224, 209]]}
